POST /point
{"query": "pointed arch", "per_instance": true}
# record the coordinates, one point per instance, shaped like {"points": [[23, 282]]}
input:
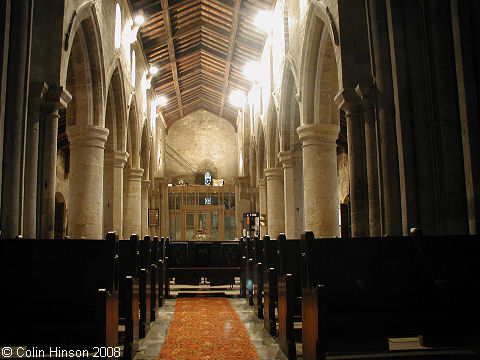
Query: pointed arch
{"points": [[272, 135], [133, 138], [260, 146], [319, 71], [145, 151], [85, 75]]}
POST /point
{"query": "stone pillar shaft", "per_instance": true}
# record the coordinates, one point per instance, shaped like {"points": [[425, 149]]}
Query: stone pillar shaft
{"points": [[320, 178], [293, 194], [15, 117], [85, 214], [113, 192], [37, 91], [358, 174], [392, 213], [144, 210], [262, 199], [372, 172], [56, 98], [132, 202], [275, 202]]}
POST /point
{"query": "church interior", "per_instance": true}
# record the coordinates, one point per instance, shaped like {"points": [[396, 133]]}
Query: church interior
{"points": [[240, 179]]}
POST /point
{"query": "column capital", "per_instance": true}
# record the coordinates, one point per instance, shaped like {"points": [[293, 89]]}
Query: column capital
{"points": [[134, 174], [36, 93], [116, 158], [241, 180], [274, 173], [57, 97], [261, 183], [288, 158], [365, 93], [146, 184], [87, 136], [311, 134], [348, 100]]}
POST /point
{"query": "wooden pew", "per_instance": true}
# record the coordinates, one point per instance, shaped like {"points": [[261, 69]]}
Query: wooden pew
{"points": [[270, 284], [189, 261], [129, 294], [289, 293], [166, 262], [161, 271], [249, 270], [145, 285], [243, 267], [154, 275], [357, 293], [60, 293], [258, 277]]}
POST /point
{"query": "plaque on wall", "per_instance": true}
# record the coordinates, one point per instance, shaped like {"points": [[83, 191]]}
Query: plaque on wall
{"points": [[153, 217]]}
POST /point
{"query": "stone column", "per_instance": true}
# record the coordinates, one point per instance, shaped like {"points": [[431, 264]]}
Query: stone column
{"points": [[144, 210], [113, 192], [15, 117], [242, 202], [35, 99], [56, 98], [392, 212], [262, 199], [85, 210], [320, 183], [372, 164], [348, 101], [275, 202], [132, 201], [293, 193], [162, 205]]}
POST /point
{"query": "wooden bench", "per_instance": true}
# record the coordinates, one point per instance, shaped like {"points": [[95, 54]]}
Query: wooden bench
{"points": [[145, 285], [129, 294], [249, 270], [258, 277], [243, 266], [289, 293], [270, 284], [218, 261], [357, 293], [60, 292], [159, 245]]}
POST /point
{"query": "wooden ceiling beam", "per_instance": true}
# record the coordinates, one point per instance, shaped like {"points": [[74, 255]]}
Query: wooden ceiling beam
{"points": [[231, 46], [171, 53]]}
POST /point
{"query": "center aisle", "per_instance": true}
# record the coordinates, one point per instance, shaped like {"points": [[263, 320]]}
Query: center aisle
{"points": [[206, 328]]}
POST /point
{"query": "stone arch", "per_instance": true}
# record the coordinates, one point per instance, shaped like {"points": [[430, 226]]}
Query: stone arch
{"points": [[85, 76], [116, 97], [260, 146], [289, 110], [319, 72], [132, 143], [272, 136], [246, 136], [145, 151], [115, 154]]}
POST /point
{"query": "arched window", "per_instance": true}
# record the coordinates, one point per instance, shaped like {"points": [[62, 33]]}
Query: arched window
{"points": [[118, 26]]}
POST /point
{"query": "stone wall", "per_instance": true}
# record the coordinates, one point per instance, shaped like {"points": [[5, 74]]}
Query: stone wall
{"points": [[204, 142]]}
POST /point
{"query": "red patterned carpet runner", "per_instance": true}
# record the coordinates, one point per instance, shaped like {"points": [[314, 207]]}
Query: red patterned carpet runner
{"points": [[206, 328]]}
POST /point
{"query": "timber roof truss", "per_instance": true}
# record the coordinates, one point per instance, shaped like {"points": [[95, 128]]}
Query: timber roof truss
{"points": [[200, 48]]}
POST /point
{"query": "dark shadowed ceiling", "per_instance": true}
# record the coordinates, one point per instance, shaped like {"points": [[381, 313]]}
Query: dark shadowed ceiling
{"points": [[200, 48]]}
